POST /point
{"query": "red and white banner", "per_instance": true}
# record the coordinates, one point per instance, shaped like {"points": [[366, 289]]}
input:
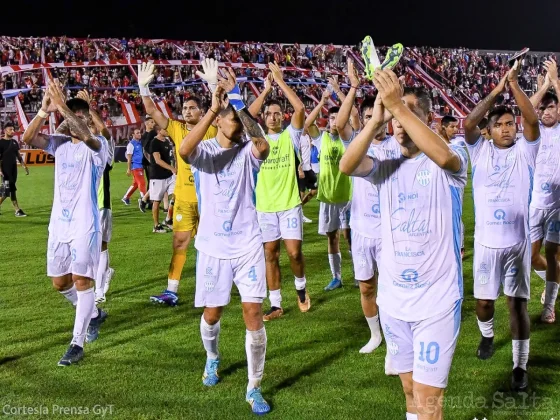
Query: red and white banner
{"points": [[22, 118], [130, 113], [164, 108]]}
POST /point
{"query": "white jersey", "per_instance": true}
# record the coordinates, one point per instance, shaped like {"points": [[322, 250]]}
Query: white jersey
{"points": [[546, 188], [305, 144], [365, 217], [420, 269], [225, 182], [502, 184], [459, 141], [78, 170]]}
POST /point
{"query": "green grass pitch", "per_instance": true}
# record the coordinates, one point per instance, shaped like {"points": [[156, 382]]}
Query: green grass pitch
{"points": [[148, 361]]}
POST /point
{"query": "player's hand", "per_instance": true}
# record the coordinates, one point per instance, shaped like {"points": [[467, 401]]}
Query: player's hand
{"points": [[128, 173], [268, 82], [540, 81], [47, 104], [229, 81], [218, 101], [353, 74], [174, 171], [503, 83], [276, 72], [84, 95], [57, 95], [334, 83], [210, 71], [26, 170], [389, 88], [551, 70], [145, 74], [301, 174], [325, 97], [513, 73], [380, 113]]}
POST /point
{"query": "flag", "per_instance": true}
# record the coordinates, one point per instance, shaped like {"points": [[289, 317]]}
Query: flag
{"points": [[22, 118], [130, 113], [164, 108]]}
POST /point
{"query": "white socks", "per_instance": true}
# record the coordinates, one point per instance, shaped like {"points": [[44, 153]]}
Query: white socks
{"points": [[172, 285], [551, 293], [101, 275], [255, 346], [541, 274], [275, 298], [486, 328], [210, 337], [520, 353], [335, 261], [410, 416], [375, 339], [300, 283], [71, 294], [84, 309]]}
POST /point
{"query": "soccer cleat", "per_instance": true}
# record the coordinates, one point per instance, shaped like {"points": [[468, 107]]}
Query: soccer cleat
{"points": [[393, 56], [485, 348], [100, 299], [306, 220], [258, 404], [519, 380], [306, 304], [142, 205], [273, 313], [334, 284], [369, 54], [548, 316], [126, 201], [159, 229], [169, 223], [210, 376], [73, 355], [94, 325], [109, 276], [389, 370], [168, 297], [20, 213]]}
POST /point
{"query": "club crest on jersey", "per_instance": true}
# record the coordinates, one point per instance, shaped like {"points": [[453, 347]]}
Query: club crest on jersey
{"points": [[483, 273], [392, 347], [78, 157], [423, 177]]}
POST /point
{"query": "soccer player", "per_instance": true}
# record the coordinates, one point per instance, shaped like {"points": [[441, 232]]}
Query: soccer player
{"points": [[134, 156], [420, 272], [147, 138], [334, 189], [502, 179], [9, 156], [306, 177], [185, 211], [277, 193], [483, 125], [544, 211], [74, 232], [162, 174], [229, 243]]}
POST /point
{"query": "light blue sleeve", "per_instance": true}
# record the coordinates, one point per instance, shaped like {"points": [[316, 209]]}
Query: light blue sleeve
{"points": [[55, 140]]}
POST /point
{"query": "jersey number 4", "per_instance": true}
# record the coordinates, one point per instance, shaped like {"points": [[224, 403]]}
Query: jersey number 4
{"points": [[252, 274]]}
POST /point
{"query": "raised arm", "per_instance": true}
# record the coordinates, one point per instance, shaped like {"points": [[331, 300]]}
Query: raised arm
{"points": [[543, 88], [145, 76], [258, 103], [298, 117], [312, 129], [531, 129], [344, 129], [32, 135], [261, 148], [97, 121], [423, 137], [552, 76], [472, 132]]}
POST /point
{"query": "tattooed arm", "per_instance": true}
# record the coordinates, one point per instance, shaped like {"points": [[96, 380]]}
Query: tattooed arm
{"points": [[79, 129], [261, 147], [472, 132]]}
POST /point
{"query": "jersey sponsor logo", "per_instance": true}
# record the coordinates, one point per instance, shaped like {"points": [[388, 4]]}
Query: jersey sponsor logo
{"points": [[483, 273], [413, 225], [409, 275], [408, 196], [499, 214], [500, 199], [423, 177], [375, 209], [66, 216], [227, 226]]}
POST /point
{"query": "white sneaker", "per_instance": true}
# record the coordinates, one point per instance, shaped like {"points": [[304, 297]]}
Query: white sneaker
{"points": [[306, 220], [110, 273], [389, 371]]}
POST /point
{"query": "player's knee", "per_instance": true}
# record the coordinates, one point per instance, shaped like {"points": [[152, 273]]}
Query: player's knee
{"points": [[295, 255], [62, 283], [82, 283], [367, 290], [551, 251], [485, 305], [271, 255], [407, 385], [516, 304]]}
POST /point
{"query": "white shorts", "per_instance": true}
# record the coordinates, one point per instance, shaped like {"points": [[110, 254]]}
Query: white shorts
{"points": [[285, 224], [79, 256], [158, 188], [215, 277], [424, 348], [106, 219], [544, 223], [333, 217], [365, 252], [509, 267]]}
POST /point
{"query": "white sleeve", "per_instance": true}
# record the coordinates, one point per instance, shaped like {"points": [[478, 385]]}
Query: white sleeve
{"points": [[530, 149], [296, 136], [459, 178], [305, 145], [55, 140], [476, 149], [201, 158], [346, 143], [129, 148], [317, 142]]}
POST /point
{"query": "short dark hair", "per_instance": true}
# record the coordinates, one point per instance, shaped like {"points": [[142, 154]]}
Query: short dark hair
{"points": [[8, 125], [148, 117], [423, 97], [367, 103], [448, 119], [196, 100], [226, 111], [271, 102], [483, 123], [334, 110], [77, 104], [548, 98], [498, 112]]}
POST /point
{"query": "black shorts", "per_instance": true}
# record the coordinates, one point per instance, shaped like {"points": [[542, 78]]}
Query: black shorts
{"points": [[309, 182], [11, 177]]}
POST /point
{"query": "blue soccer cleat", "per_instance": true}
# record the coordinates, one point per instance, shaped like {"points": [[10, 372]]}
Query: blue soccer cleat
{"points": [[126, 201], [168, 297], [210, 376], [72, 356], [94, 325], [258, 404], [334, 284]]}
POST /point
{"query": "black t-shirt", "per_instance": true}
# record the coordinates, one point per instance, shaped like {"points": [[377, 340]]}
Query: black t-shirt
{"points": [[147, 138], [164, 149], [9, 152]]}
